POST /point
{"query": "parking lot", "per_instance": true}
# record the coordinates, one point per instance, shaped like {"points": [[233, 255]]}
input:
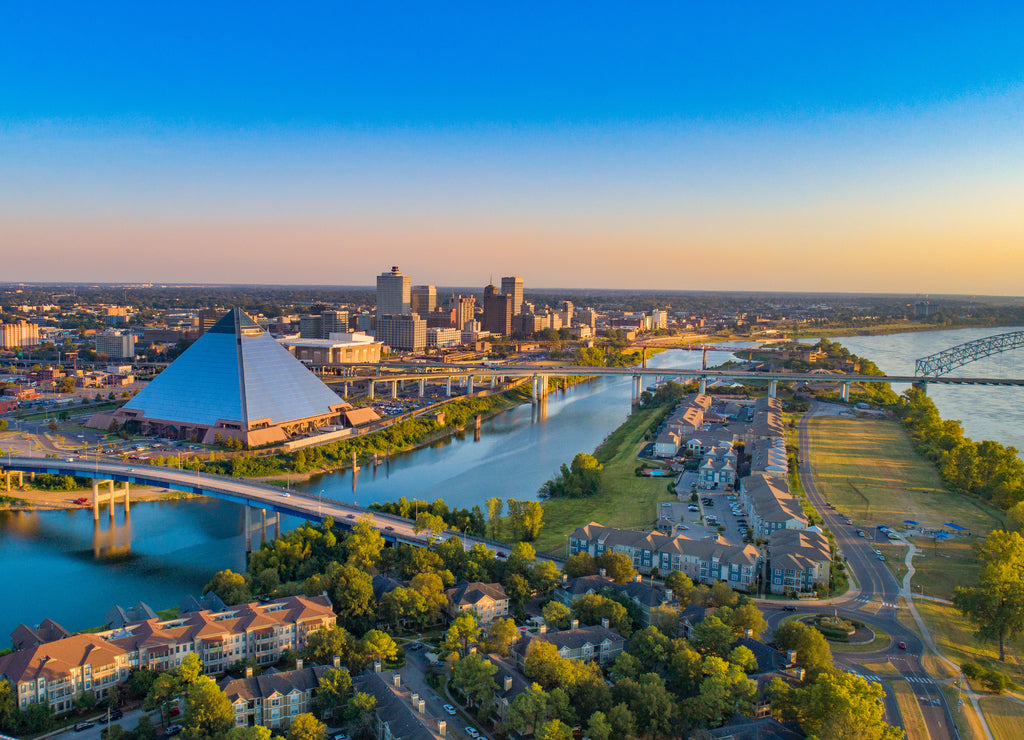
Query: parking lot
{"points": [[703, 517]]}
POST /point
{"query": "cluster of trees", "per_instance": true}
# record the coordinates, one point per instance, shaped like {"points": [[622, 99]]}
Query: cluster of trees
{"points": [[666, 394], [399, 436], [996, 603], [50, 482], [579, 480], [988, 470], [470, 521]]}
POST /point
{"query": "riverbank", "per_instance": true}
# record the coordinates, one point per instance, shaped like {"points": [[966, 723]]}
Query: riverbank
{"points": [[625, 500], [38, 500], [906, 327]]}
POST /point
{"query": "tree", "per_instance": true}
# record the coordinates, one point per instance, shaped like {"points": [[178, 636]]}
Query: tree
{"points": [[545, 576], [724, 690], [655, 709], [333, 691], [812, 650], [626, 665], [326, 643], [545, 666], [836, 706], [723, 594], [996, 604], [713, 637], [164, 688], [528, 709], [617, 566], [556, 614], [598, 727], [622, 721], [229, 586], [494, 507], [257, 732], [145, 730], [518, 590], [379, 646], [592, 608], [473, 675], [307, 727], [503, 633], [521, 559], [680, 584], [364, 544], [743, 658], [580, 564], [352, 596], [208, 711], [431, 524], [463, 632], [650, 647], [747, 616], [189, 671], [685, 668], [555, 730], [8, 705]]}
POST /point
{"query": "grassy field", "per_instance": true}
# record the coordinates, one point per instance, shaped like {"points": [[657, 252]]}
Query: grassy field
{"points": [[1005, 716], [625, 500], [956, 639], [870, 471], [913, 720]]}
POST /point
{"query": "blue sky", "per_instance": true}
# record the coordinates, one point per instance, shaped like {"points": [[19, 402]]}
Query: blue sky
{"points": [[558, 141]]}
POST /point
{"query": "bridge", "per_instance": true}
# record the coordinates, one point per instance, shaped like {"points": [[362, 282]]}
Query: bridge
{"points": [[930, 368], [254, 496]]}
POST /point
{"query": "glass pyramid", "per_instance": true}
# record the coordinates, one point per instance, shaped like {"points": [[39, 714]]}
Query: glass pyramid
{"points": [[235, 372]]}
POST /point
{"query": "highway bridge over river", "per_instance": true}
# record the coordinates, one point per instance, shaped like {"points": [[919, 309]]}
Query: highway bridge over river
{"points": [[270, 501]]}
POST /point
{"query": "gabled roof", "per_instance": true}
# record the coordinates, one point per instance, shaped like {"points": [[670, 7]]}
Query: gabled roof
{"points": [[235, 372], [465, 593], [54, 660], [268, 684]]}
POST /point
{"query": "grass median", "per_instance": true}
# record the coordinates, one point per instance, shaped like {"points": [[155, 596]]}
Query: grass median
{"points": [[625, 499]]}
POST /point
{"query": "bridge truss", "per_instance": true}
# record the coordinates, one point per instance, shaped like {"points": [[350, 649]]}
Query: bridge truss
{"points": [[941, 363]]}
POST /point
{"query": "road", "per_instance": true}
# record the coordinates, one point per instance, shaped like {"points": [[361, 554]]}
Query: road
{"points": [[307, 506], [877, 588]]}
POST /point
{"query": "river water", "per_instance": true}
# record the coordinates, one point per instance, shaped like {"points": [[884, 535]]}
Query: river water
{"points": [[59, 565], [986, 412]]}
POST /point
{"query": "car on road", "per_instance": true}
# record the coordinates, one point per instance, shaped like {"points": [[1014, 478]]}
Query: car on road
{"points": [[285, 494], [449, 709], [350, 516], [789, 608], [472, 732], [84, 726], [389, 528], [341, 736], [174, 730], [876, 551], [902, 645]]}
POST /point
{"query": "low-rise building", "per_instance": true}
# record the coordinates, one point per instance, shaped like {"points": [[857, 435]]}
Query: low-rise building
{"points": [[767, 500], [488, 600], [798, 560], [273, 699], [57, 672], [704, 561], [597, 642]]}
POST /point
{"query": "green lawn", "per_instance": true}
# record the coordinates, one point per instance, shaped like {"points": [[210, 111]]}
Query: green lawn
{"points": [[910, 708], [870, 471], [625, 500]]}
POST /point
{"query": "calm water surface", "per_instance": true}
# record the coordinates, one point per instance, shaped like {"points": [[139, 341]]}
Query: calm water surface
{"points": [[985, 412], [58, 565]]}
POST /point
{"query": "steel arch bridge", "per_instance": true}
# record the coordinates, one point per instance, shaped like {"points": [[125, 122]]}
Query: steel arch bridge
{"points": [[941, 363]]}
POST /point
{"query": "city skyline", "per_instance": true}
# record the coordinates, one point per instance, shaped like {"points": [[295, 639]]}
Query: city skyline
{"points": [[862, 150]]}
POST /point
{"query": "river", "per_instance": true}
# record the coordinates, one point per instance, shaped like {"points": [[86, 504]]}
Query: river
{"points": [[57, 564], [995, 413]]}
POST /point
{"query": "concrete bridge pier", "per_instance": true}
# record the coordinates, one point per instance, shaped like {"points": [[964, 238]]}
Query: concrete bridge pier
{"points": [[844, 392], [369, 389], [345, 393], [703, 385], [921, 386], [469, 385], [110, 496], [448, 386], [394, 389], [773, 388], [7, 479], [533, 390], [423, 387], [494, 382]]}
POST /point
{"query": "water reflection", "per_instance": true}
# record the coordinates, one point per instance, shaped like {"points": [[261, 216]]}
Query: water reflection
{"points": [[112, 541]]}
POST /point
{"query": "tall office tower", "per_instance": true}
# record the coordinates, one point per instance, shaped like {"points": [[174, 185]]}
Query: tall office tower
{"points": [[513, 286], [464, 308], [497, 311], [394, 294], [424, 299], [566, 312]]}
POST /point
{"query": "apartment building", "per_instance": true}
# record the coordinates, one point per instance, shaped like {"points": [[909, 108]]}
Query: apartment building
{"points": [[798, 560], [767, 501], [488, 600], [704, 561]]}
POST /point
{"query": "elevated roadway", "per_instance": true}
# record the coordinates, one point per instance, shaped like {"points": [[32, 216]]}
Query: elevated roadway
{"points": [[313, 508]]}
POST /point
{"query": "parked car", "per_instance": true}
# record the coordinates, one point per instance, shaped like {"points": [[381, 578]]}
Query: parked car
{"points": [[472, 732], [84, 726], [449, 709], [174, 730]]}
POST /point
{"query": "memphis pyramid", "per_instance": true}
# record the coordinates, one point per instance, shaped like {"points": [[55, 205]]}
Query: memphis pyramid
{"points": [[236, 381]]}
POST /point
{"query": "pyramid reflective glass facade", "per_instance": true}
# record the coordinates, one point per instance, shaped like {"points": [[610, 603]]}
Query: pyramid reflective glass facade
{"points": [[235, 375]]}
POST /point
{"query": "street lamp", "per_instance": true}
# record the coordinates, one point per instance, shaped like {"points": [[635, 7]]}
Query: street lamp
{"points": [[319, 503]]}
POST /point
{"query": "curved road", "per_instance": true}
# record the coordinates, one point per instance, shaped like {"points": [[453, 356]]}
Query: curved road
{"points": [[878, 588]]}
